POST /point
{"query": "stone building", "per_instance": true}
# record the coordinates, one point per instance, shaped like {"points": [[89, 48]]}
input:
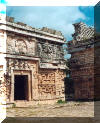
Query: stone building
{"points": [[97, 66], [32, 65], [81, 49]]}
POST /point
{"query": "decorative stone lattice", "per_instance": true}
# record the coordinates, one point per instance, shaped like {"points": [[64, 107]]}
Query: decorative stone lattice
{"points": [[51, 84], [82, 31], [47, 83]]}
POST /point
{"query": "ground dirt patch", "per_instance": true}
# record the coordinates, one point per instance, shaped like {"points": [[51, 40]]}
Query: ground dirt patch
{"points": [[70, 109]]}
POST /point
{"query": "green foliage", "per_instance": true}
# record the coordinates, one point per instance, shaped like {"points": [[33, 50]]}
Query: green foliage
{"points": [[61, 101]]}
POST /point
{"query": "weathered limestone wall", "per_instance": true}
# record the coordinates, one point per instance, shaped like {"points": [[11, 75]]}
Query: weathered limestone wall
{"points": [[21, 45], [2, 94], [2, 73], [46, 84], [82, 31], [37, 53], [82, 72], [51, 85], [2, 63], [82, 61], [2, 83], [97, 68], [21, 67]]}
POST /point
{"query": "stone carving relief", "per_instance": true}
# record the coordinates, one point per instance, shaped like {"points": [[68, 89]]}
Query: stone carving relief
{"points": [[60, 83], [47, 89], [19, 64], [20, 45], [31, 47], [50, 83], [46, 86], [46, 78], [50, 52], [82, 31], [10, 44]]}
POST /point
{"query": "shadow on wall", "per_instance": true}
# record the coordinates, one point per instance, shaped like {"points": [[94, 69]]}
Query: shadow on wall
{"points": [[69, 89]]}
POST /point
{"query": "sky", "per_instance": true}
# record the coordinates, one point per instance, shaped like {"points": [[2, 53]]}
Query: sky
{"points": [[59, 18]]}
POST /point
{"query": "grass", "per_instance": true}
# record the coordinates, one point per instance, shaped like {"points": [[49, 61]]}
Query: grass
{"points": [[61, 101]]}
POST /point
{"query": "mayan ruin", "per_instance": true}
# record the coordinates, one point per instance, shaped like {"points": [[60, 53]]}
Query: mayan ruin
{"points": [[49, 61], [34, 67], [34, 70], [81, 49]]}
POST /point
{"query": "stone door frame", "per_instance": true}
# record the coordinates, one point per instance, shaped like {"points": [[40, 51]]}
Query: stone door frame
{"points": [[21, 72]]}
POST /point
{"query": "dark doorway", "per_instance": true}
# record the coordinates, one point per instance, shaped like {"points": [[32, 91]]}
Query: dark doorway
{"points": [[69, 89], [21, 87]]}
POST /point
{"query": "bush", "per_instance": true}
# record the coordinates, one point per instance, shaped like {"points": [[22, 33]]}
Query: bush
{"points": [[60, 101]]}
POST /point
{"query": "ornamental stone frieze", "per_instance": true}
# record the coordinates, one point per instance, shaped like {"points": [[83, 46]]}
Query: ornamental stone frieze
{"points": [[50, 52]]}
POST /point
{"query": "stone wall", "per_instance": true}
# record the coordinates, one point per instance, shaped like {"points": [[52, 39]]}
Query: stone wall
{"points": [[17, 44], [82, 31], [20, 67], [2, 83], [50, 52], [82, 72], [82, 62], [46, 84], [97, 68], [2, 75], [36, 53], [51, 85]]}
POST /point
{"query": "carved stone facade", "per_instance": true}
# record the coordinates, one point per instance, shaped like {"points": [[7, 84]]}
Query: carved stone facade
{"points": [[82, 31], [50, 52], [50, 84], [34, 58], [82, 62]]}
